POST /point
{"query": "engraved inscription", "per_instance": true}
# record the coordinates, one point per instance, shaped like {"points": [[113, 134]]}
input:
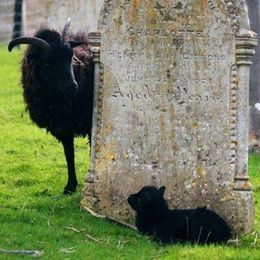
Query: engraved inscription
{"points": [[212, 4], [163, 73], [164, 32], [167, 55]]}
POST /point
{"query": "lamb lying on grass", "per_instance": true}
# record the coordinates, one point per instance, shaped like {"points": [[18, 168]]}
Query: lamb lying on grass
{"points": [[154, 218]]}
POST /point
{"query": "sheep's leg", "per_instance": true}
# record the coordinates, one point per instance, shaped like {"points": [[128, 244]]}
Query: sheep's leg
{"points": [[68, 146]]}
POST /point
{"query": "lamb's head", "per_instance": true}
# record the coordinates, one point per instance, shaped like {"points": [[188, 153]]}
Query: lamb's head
{"points": [[149, 202], [51, 56]]}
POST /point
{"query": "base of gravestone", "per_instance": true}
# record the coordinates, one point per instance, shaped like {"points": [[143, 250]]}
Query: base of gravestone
{"points": [[244, 218], [235, 206]]}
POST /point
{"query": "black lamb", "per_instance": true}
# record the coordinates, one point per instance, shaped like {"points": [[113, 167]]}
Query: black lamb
{"points": [[58, 83], [154, 218]]}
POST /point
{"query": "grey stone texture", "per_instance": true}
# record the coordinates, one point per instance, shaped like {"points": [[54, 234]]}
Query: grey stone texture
{"points": [[171, 107], [6, 20], [83, 13]]}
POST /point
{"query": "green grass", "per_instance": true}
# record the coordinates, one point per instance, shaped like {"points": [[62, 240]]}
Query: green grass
{"points": [[35, 216]]}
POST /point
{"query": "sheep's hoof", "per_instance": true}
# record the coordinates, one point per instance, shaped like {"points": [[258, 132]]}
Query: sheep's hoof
{"points": [[69, 190]]}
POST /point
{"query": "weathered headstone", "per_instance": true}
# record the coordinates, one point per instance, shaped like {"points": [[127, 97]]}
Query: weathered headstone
{"points": [[171, 106]]}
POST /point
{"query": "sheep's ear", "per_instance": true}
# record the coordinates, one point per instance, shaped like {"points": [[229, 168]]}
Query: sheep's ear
{"points": [[162, 189], [74, 44]]}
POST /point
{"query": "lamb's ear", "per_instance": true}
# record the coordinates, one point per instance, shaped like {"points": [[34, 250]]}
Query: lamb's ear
{"points": [[74, 44], [162, 189]]}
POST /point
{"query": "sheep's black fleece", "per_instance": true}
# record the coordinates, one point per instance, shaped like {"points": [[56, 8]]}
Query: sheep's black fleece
{"points": [[64, 114], [47, 105]]}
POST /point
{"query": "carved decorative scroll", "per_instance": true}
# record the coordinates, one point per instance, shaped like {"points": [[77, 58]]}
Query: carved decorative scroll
{"points": [[233, 118]]}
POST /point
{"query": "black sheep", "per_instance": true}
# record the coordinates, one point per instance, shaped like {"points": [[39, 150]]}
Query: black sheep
{"points": [[154, 218], [58, 83]]}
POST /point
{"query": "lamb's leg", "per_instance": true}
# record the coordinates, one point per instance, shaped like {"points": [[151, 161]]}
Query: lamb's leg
{"points": [[68, 146]]}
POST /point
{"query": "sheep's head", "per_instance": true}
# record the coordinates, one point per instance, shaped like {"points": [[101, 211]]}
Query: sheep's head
{"points": [[52, 58]]}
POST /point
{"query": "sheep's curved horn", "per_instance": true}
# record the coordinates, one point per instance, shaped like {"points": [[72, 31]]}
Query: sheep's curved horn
{"points": [[41, 44], [66, 29]]}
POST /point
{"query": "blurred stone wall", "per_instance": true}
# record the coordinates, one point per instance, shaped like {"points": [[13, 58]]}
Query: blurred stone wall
{"points": [[54, 13], [83, 13], [6, 20]]}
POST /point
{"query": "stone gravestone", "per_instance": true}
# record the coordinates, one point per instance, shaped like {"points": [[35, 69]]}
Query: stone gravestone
{"points": [[171, 106]]}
